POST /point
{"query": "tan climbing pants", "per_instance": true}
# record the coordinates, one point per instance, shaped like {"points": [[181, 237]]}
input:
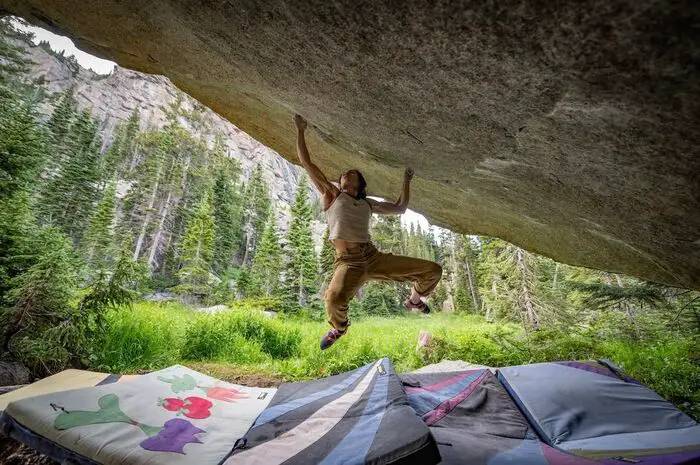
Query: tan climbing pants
{"points": [[354, 267]]}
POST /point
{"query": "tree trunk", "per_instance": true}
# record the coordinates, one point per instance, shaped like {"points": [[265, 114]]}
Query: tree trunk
{"points": [[301, 288], [529, 308], [248, 237], [494, 292], [144, 226], [453, 267], [627, 307], [159, 233], [134, 157], [472, 286], [166, 247]]}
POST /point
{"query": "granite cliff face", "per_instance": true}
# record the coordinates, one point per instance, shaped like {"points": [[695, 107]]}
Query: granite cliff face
{"points": [[570, 129], [111, 99]]}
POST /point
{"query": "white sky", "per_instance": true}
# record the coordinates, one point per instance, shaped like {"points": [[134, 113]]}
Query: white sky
{"points": [[412, 217], [60, 43], [100, 66]]}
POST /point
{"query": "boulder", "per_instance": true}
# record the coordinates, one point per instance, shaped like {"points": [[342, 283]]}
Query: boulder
{"points": [[568, 128], [214, 309], [161, 297], [13, 374], [448, 305]]}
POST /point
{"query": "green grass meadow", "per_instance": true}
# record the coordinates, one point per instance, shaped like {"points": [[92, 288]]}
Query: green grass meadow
{"points": [[150, 336]]}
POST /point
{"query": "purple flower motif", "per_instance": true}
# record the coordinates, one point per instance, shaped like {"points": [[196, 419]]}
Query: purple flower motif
{"points": [[176, 433]]}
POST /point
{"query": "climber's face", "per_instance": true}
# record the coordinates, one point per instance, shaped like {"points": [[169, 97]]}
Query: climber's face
{"points": [[353, 183], [350, 181]]}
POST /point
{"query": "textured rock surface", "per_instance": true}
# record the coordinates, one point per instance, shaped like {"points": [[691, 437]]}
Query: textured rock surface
{"points": [[570, 129], [13, 374]]}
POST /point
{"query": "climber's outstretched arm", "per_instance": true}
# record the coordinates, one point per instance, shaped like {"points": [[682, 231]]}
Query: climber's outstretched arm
{"points": [[327, 190], [399, 207]]}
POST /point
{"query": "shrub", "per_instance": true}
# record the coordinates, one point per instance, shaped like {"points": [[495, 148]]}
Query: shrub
{"points": [[147, 337], [214, 336]]}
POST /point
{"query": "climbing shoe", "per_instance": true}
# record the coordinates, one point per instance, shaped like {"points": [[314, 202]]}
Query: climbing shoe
{"points": [[422, 306], [331, 336]]}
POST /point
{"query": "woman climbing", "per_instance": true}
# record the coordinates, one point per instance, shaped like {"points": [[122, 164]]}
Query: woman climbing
{"points": [[348, 211]]}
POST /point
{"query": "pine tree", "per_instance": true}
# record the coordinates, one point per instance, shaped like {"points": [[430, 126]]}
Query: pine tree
{"points": [[256, 210], [40, 296], [228, 213], [242, 282], [118, 286], [22, 155], [326, 260], [513, 291], [13, 61], [62, 118], [441, 295], [301, 275], [146, 182], [387, 233], [197, 252], [190, 177], [186, 179], [59, 131], [99, 240], [21, 140], [267, 263], [461, 295], [391, 237], [466, 261], [68, 199], [122, 148], [374, 301], [22, 146], [16, 226]]}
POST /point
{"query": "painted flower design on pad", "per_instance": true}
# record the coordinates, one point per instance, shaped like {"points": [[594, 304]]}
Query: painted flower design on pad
{"points": [[174, 436], [186, 382], [180, 383], [192, 407], [224, 394]]}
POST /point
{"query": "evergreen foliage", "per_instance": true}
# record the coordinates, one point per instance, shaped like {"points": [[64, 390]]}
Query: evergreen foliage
{"points": [[267, 264], [326, 260], [69, 197], [13, 61], [40, 296], [228, 212], [22, 149], [119, 154], [197, 253], [302, 270], [58, 126], [256, 210], [99, 240]]}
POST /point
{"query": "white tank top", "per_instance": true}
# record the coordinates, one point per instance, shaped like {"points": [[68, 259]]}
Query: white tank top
{"points": [[348, 219]]}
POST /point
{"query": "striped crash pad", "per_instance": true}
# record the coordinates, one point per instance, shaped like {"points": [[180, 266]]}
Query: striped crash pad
{"points": [[358, 417], [563, 413], [474, 421]]}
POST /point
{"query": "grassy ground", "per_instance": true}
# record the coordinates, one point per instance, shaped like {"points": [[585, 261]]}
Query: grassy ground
{"points": [[243, 343]]}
